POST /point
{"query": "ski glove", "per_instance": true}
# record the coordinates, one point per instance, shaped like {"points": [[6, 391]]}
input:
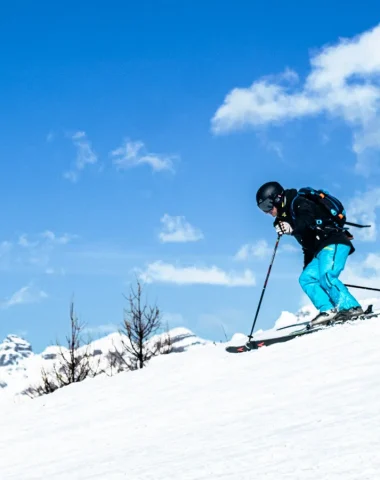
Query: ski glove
{"points": [[283, 228]]}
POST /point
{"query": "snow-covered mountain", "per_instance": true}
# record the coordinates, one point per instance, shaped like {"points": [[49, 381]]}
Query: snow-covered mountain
{"points": [[20, 367], [14, 355], [14, 350]]}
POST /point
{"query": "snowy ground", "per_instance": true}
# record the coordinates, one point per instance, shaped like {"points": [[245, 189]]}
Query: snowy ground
{"points": [[306, 409], [20, 368]]}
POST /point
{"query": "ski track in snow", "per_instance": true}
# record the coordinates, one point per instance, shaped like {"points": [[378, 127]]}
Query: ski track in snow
{"points": [[308, 409]]}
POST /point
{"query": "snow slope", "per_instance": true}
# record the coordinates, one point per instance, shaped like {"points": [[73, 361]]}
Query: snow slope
{"points": [[20, 368], [307, 409]]}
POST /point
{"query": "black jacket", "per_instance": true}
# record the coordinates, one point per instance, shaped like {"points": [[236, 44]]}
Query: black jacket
{"points": [[305, 229]]}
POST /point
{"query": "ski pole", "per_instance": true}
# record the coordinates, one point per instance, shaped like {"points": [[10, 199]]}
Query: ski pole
{"points": [[364, 288], [265, 285]]}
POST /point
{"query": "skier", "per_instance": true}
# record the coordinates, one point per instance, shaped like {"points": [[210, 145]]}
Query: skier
{"points": [[325, 250]]}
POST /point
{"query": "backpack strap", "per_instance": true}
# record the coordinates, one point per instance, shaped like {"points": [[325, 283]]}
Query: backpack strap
{"points": [[292, 207], [318, 221]]}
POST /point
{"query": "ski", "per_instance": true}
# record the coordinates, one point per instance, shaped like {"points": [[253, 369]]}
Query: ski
{"points": [[367, 312], [266, 342], [299, 324], [308, 329]]}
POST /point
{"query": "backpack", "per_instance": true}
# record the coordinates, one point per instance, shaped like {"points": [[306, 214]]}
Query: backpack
{"points": [[332, 206]]}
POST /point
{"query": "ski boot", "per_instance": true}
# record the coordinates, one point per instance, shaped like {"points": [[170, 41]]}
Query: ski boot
{"points": [[349, 314], [324, 318]]}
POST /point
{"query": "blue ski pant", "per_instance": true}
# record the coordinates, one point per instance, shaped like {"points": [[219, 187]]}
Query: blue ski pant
{"points": [[319, 280]]}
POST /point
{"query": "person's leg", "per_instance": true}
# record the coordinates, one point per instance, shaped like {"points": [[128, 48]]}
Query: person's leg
{"points": [[311, 285], [332, 260]]}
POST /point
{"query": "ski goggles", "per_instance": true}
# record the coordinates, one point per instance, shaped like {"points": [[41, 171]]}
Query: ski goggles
{"points": [[266, 205]]}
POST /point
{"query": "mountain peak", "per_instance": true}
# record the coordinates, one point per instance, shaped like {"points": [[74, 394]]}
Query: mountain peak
{"points": [[14, 350]]}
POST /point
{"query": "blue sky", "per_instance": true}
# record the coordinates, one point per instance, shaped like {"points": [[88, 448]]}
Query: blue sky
{"points": [[135, 135]]}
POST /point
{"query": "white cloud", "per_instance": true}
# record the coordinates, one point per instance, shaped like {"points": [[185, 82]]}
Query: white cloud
{"points": [[71, 175], [60, 240], [372, 262], [343, 82], [167, 273], [133, 154], [24, 242], [27, 294], [176, 229], [34, 250], [260, 249], [85, 156], [47, 238], [362, 209], [363, 272], [54, 271]]}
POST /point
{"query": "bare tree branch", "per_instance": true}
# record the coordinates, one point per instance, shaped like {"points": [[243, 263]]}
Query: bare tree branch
{"points": [[141, 322], [73, 364]]}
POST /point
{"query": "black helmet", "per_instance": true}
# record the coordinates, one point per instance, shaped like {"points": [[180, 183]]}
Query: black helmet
{"points": [[269, 195]]}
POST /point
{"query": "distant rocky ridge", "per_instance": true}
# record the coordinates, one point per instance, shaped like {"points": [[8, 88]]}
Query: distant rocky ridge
{"points": [[14, 350]]}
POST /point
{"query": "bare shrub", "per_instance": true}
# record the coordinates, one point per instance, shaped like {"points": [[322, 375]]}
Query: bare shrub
{"points": [[73, 364], [140, 338]]}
